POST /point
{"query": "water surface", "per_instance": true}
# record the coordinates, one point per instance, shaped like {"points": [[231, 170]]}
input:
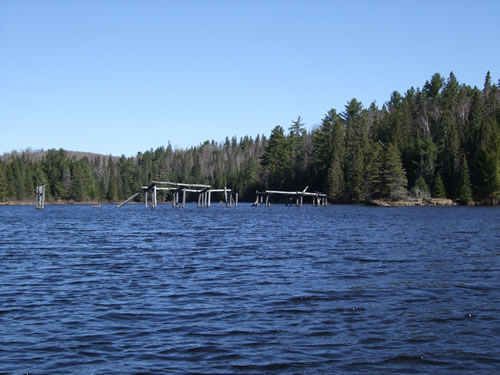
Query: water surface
{"points": [[311, 290]]}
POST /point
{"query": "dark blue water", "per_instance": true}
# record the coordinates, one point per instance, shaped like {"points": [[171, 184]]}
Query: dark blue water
{"points": [[311, 290]]}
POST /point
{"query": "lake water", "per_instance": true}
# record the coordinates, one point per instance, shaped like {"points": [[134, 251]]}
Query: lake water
{"points": [[311, 290]]}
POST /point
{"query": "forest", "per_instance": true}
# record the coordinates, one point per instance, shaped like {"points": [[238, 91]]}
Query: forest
{"points": [[440, 141]]}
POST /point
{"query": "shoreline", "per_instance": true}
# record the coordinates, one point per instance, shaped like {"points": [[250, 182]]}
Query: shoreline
{"points": [[413, 203], [434, 202]]}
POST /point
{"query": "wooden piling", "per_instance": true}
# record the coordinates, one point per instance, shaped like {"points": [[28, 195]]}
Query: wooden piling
{"points": [[40, 197], [155, 197]]}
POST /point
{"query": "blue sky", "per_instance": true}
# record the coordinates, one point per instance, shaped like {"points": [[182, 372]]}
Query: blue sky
{"points": [[125, 76]]}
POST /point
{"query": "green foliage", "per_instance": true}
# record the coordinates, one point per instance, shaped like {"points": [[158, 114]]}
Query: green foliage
{"points": [[3, 182], [277, 159], [393, 174], [438, 190], [464, 194], [420, 190], [374, 173]]}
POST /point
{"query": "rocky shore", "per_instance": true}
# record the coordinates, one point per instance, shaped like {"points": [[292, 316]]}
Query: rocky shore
{"points": [[416, 202]]}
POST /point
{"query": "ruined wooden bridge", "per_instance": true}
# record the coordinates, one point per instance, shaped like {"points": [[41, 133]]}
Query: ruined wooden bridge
{"points": [[291, 197], [204, 194]]}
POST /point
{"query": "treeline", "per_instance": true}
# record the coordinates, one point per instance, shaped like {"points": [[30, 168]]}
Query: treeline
{"points": [[442, 141]]}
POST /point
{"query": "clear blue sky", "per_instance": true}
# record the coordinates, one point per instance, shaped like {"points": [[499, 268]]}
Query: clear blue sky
{"points": [[125, 76]]}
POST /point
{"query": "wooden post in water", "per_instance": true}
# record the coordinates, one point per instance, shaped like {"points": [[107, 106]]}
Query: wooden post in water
{"points": [[268, 204], [199, 200], [146, 198], [155, 197], [236, 200], [209, 197], [40, 197], [183, 198]]}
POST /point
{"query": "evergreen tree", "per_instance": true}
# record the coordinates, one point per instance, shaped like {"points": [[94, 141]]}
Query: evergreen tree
{"points": [[335, 178], [112, 190], [374, 173], [394, 176], [420, 190], [3, 183], [356, 141], [77, 190], [487, 161], [464, 191], [438, 190], [277, 158]]}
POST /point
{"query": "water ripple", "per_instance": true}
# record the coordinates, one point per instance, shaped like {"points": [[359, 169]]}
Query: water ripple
{"points": [[341, 289]]}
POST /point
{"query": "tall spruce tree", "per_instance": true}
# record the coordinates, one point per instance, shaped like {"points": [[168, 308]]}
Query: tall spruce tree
{"points": [[394, 176], [374, 173], [277, 159], [464, 190], [438, 190], [3, 182]]}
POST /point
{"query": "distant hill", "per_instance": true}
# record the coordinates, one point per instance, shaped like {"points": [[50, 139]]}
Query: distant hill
{"points": [[37, 155]]}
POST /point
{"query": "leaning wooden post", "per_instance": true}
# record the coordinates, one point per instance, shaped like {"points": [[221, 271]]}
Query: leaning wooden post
{"points": [[43, 197], [209, 197], [37, 194], [267, 201], [183, 198], [199, 200]]}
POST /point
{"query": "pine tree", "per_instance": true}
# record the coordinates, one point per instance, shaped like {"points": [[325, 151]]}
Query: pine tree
{"points": [[464, 190], [112, 190], [356, 142], [335, 177], [438, 190], [374, 173], [487, 161], [277, 159], [394, 176], [77, 190], [420, 190], [3, 182]]}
